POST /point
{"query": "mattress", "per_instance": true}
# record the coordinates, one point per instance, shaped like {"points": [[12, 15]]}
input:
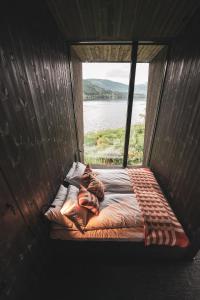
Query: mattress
{"points": [[119, 234], [122, 217], [119, 220]]}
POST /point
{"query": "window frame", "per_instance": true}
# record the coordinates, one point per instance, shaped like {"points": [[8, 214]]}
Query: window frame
{"points": [[131, 88]]}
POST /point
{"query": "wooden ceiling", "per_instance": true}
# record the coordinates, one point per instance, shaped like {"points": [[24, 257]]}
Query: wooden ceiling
{"points": [[122, 20], [115, 53]]}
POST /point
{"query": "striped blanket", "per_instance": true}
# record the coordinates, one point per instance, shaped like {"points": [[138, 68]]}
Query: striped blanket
{"points": [[160, 224]]}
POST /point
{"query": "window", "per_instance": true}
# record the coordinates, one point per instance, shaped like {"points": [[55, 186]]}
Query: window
{"points": [[136, 140], [105, 93], [109, 109]]}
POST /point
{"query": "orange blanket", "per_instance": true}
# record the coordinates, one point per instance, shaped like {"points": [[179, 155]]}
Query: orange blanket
{"points": [[160, 224]]}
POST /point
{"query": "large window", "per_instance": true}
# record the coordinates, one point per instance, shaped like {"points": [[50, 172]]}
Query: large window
{"points": [[136, 141], [114, 117], [105, 93]]}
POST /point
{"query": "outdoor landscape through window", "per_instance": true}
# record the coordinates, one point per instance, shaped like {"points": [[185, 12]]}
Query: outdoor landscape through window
{"points": [[105, 95]]}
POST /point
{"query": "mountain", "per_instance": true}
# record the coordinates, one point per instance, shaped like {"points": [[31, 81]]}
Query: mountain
{"points": [[109, 85], [94, 89]]}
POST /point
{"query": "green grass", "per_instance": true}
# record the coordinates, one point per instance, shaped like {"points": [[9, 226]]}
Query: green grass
{"points": [[107, 146]]}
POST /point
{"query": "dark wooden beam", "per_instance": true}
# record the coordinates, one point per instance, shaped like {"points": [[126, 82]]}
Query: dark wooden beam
{"points": [[77, 155], [130, 101]]}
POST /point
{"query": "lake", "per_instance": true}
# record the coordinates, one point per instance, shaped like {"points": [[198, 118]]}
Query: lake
{"points": [[107, 114]]}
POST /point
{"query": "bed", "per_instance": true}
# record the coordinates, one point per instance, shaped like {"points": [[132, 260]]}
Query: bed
{"points": [[120, 224], [119, 220]]}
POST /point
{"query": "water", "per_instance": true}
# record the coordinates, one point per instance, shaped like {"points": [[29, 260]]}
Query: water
{"points": [[111, 114]]}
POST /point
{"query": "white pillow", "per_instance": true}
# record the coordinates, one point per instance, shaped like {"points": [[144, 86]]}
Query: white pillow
{"points": [[53, 214], [73, 210], [75, 173]]}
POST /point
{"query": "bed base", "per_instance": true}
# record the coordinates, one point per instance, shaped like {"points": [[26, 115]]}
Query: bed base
{"points": [[112, 250]]}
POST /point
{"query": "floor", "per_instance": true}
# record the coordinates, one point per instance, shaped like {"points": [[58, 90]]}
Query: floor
{"points": [[138, 280]]}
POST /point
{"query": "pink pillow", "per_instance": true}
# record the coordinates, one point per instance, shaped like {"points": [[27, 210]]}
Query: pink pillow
{"points": [[88, 200], [71, 208], [92, 183]]}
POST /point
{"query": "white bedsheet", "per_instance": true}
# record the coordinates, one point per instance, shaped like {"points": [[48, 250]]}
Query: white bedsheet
{"points": [[119, 219], [115, 180], [116, 211]]}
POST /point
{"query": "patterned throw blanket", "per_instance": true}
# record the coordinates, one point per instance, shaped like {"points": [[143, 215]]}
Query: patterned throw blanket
{"points": [[160, 224]]}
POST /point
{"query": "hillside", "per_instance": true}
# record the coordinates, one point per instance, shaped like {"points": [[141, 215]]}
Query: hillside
{"points": [[94, 89]]}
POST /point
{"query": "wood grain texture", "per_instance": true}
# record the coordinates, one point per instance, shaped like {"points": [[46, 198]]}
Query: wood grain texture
{"points": [[117, 20], [176, 149], [36, 119], [155, 78], [15, 242], [37, 139], [115, 53]]}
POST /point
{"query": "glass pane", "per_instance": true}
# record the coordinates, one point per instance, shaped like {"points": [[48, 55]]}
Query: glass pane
{"points": [[136, 142], [105, 93]]}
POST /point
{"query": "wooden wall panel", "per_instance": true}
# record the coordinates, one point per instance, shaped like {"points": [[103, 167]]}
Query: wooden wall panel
{"points": [[122, 20], [37, 137], [13, 232], [36, 119], [115, 53], [20, 256], [155, 79], [176, 151]]}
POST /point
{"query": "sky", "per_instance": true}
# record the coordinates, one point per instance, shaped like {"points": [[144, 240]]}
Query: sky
{"points": [[115, 71]]}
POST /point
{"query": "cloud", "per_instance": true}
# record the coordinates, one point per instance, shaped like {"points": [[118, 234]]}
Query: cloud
{"points": [[115, 71], [122, 72]]}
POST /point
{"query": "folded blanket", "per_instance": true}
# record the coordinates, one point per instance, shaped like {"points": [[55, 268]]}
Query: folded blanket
{"points": [[160, 224]]}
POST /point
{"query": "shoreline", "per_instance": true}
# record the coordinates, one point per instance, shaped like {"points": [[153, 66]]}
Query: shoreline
{"points": [[108, 99]]}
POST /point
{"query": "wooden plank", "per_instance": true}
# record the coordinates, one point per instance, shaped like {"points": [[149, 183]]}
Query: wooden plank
{"points": [[157, 70], [37, 132], [16, 248], [35, 112], [115, 52], [176, 150], [117, 20]]}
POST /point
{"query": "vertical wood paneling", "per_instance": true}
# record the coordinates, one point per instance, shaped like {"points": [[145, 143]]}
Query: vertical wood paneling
{"points": [[37, 138], [118, 20], [19, 252], [10, 255], [156, 74], [176, 150], [37, 117]]}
